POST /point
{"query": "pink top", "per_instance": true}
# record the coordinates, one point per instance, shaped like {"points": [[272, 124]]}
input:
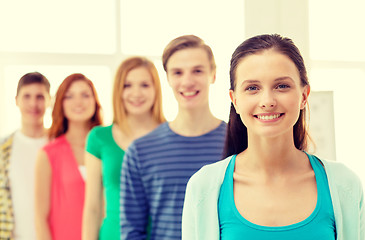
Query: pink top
{"points": [[67, 191]]}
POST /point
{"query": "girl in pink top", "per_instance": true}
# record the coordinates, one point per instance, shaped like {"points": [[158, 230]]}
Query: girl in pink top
{"points": [[60, 187]]}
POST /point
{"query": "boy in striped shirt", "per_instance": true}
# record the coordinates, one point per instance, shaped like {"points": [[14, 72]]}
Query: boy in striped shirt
{"points": [[157, 167]]}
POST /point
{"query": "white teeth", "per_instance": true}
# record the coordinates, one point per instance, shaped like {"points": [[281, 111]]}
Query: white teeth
{"points": [[268, 117], [188, 94]]}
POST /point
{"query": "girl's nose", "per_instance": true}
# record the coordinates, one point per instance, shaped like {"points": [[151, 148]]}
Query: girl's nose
{"points": [[268, 100]]}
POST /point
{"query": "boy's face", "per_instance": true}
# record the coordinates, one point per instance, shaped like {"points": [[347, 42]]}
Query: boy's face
{"points": [[32, 100], [190, 75]]}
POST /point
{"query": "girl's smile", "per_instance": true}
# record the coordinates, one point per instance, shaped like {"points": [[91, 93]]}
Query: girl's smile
{"points": [[269, 117], [268, 95]]}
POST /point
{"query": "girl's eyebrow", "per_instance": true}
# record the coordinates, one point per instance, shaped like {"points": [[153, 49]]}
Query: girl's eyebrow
{"points": [[284, 78], [249, 81]]}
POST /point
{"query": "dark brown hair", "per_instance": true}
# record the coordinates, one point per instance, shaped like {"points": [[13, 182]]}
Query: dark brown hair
{"points": [[30, 78], [236, 140]]}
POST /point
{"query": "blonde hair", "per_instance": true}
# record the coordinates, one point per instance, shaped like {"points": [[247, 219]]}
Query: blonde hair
{"points": [[119, 111]]}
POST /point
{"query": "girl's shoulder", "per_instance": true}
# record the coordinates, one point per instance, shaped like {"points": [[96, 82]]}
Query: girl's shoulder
{"points": [[57, 147], [54, 143], [342, 176], [100, 134], [340, 169], [100, 130], [209, 176]]}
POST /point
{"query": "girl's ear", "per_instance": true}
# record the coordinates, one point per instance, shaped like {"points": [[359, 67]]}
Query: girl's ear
{"points": [[233, 99], [305, 95]]}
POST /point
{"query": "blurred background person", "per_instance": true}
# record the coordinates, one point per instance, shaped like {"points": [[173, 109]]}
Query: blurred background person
{"points": [[157, 166], [137, 107], [59, 191], [18, 155]]}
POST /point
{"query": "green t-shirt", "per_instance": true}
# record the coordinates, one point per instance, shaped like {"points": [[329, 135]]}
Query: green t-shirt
{"points": [[100, 143]]}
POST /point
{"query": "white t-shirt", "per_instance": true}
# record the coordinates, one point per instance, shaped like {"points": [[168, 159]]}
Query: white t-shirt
{"points": [[21, 174], [82, 169]]}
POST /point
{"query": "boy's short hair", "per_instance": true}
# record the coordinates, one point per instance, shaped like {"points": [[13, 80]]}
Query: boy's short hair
{"points": [[30, 78], [184, 42]]}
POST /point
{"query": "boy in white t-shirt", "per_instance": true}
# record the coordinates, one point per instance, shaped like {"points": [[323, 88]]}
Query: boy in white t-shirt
{"points": [[18, 153]]}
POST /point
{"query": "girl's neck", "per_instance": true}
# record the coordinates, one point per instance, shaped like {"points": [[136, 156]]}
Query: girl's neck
{"points": [[77, 132], [140, 125], [194, 123], [271, 156]]}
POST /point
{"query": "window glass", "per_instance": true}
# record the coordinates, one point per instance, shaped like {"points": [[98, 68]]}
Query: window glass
{"points": [[67, 26]]}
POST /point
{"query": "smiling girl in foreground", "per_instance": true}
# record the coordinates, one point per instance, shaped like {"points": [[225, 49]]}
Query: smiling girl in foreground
{"points": [[269, 187]]}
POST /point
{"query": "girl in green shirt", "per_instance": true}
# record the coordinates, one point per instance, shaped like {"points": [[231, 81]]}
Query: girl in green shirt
{"points": [[137, 109]]}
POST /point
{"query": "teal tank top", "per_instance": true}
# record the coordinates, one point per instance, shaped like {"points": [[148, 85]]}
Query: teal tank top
{"points": [[319, 225]]}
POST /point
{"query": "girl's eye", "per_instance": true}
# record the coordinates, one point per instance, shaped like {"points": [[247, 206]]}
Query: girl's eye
{"points": [[252, 88], [68, 96], [145, 85], [85, 95], [283, 86], [127, 85], [198, 71]]}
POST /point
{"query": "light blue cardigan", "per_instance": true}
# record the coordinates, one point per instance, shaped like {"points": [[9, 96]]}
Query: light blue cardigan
{"points": [[200, 213]]}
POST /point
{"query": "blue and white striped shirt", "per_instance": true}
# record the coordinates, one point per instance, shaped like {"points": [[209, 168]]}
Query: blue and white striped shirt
{"points": [[155, 171]]}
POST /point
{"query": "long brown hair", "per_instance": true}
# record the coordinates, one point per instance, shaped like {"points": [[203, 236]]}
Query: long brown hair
{"points": [[59, 121], [119, 111], [236, 138]]}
